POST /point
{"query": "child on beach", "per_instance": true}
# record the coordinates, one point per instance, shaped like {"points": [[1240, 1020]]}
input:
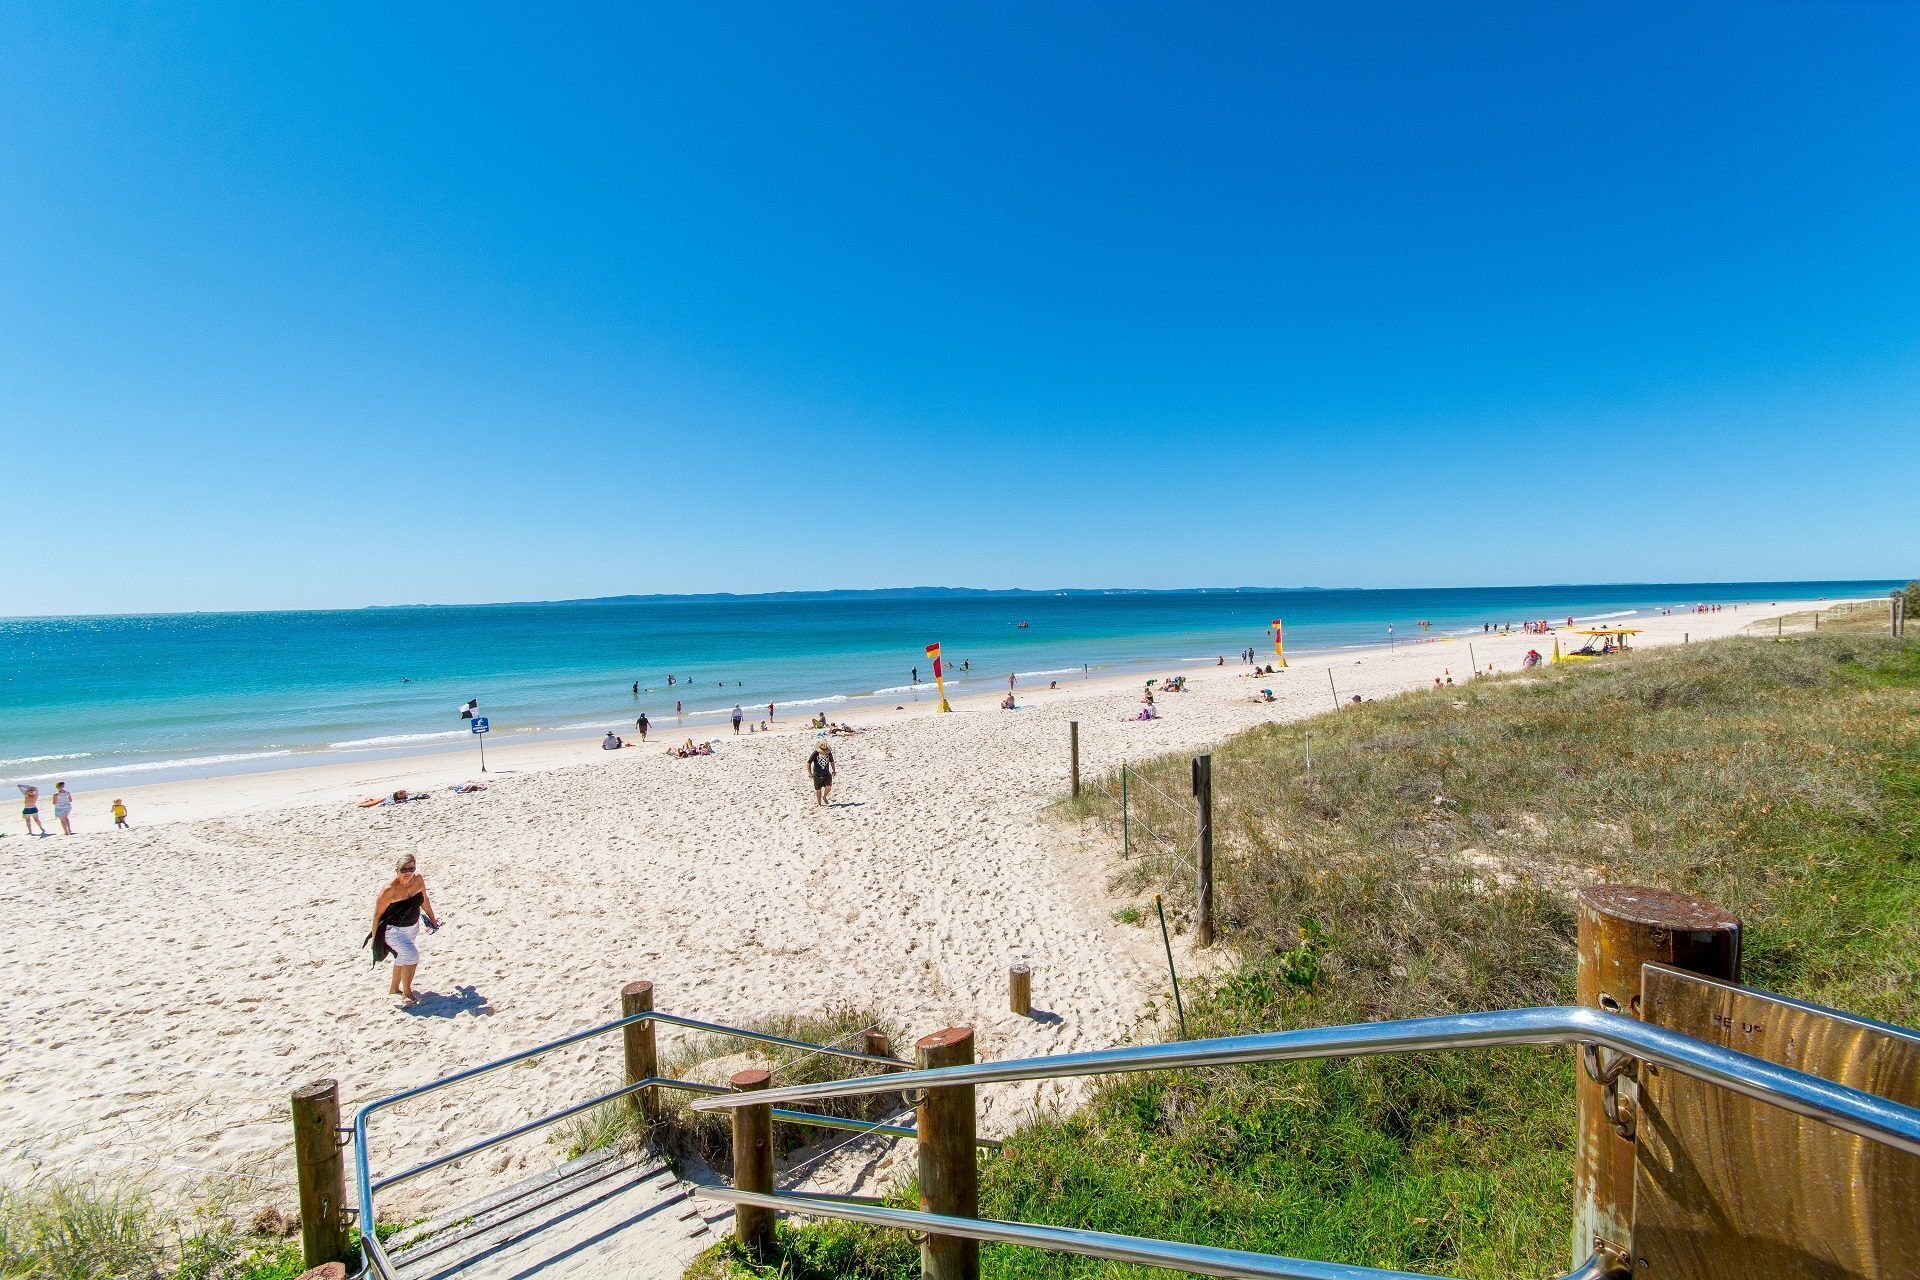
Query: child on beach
{"points": [[120, 815]]}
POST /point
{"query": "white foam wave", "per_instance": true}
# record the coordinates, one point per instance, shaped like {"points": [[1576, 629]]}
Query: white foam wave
{"points": [[70, 755], [1617, 613], [898, 688], [184, 762], [1051, 671], [398, 739]]}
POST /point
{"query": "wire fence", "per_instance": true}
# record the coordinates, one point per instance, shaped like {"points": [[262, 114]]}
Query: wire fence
{"points": [[1159, 836]]}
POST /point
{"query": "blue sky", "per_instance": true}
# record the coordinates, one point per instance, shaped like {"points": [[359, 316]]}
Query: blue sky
{"points": [[333, 305]]}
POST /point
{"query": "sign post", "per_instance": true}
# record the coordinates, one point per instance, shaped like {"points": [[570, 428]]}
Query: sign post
{"points": [[480, 732]]}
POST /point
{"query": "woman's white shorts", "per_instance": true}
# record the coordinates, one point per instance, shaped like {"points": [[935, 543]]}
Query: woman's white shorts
{"points": [[402, 941]]}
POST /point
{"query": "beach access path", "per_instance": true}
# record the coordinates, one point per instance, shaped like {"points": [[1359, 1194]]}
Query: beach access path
{"points": [[167, 986]]}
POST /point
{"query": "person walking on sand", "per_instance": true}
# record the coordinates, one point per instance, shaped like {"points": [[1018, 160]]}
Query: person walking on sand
{"points": [[769, 711], [736, 719], [641, 725], [120, 815], [30, 808], [63, 807], [820, 768], [396, 926]]}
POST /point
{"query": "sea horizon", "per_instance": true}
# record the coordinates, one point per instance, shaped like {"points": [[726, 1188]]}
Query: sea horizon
{"points": [[119, 699]]}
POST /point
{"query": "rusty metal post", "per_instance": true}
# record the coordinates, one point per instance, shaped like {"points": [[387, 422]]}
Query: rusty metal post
{"points": [[641, 1055], [1621, 928], [321, 1172], [1073, 753], [1203, 794], [949, 1174], [753, 1166]]}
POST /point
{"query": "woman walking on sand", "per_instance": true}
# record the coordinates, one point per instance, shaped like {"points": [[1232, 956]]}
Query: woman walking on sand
{"points": [[63, 807], [820, 768], [396, 926]]}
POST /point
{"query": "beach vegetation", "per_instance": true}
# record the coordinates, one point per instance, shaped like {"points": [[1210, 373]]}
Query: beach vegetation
{"points": [[77, 1229], [1427, 863], [710, 1058]]}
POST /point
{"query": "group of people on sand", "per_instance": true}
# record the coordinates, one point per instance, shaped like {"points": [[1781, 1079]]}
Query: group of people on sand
{"points": [[62, 809]]}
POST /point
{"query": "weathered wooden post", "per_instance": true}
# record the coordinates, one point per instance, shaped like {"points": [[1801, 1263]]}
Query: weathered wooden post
{"points": [[1073, 753], [874, 1043], [1020, 989], [322, 1173], [641, 1054], [949, 1176], [1203, 793], [753, 1166], [1621, 928]]}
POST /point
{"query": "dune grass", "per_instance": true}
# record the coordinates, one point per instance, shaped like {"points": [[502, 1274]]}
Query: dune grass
{"points": [[1426, 863], [54, 1229], [710, 1059]]}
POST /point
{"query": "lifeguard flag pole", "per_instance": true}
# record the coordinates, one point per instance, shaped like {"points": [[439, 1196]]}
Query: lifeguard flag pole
{"points": [[1279, 651], [939, 680]]}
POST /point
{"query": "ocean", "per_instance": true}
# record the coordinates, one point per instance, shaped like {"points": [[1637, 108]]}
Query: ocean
{"points": [[103, 701]]}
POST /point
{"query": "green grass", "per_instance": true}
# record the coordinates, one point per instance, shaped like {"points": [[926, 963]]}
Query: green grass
{"points": [[75, 1230], [1427, 863]]}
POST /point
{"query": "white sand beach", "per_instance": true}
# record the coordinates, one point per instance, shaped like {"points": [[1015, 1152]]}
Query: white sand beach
{"points": [[165, 987]]}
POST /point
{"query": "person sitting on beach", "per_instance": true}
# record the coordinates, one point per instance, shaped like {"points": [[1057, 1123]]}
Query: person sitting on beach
{"points": [[611, 742], [819, 721], [1265, 695], [1006, 703], [396, 926], [1148, 712]]}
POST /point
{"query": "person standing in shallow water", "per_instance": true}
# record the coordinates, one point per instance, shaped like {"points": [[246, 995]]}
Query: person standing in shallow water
{"points": [[396, 925]]}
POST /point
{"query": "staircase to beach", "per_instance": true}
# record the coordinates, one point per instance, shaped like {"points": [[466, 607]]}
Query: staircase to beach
{"points": [[605, 1213]]}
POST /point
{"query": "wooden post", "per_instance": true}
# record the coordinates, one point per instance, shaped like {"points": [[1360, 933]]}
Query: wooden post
{"points": [[641, 1054], [874, 1043], [949, 1176], [1020, 989], [1073, 752], [1203, 792], [1335, 692], [1621, 928], [753, 1166], [322, 1173]]}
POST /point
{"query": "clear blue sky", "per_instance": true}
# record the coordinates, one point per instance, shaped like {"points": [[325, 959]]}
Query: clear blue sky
{"points": [[339, 304]]}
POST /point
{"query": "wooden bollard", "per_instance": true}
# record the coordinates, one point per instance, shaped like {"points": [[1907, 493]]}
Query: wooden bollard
{"points": [[949, 1176], [322, 1173], [642, 1053], [875, 1044], [1020, 989], [753, 1165], [1203, 799], [1621, 928], [1073, 753]]}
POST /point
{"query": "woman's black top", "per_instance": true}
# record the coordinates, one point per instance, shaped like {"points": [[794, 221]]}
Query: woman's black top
{"points": [[404, 912]]}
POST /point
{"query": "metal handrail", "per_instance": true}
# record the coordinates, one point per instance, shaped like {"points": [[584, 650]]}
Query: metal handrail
{"points": [[1199, 1259], [1851, 1110], [373, 1254]]}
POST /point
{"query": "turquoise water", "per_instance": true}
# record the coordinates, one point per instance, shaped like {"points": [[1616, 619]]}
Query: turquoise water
{"points": [[105, 700]]}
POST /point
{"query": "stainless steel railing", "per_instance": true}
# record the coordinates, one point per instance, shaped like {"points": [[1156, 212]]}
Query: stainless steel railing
{"points": [[1845, 1108], [374, 1259], [1851, 1110]]}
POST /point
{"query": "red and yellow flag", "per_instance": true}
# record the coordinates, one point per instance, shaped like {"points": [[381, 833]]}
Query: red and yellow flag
{"points": [[933, 651]]}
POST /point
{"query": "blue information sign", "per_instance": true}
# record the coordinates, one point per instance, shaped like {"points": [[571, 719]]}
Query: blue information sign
{"points": [[479, 724]]}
